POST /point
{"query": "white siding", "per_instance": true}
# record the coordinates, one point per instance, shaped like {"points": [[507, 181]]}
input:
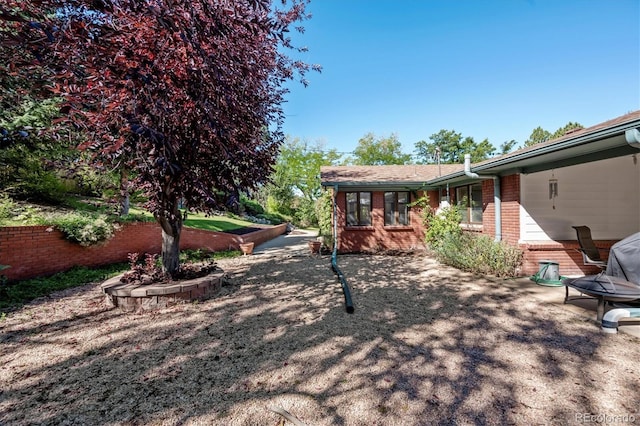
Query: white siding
{"points": [[604, 195]]}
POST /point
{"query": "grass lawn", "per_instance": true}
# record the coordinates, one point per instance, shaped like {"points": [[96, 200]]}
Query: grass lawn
{"points": [[216, 223], [36, 214], [219, 223], [16, 294]]}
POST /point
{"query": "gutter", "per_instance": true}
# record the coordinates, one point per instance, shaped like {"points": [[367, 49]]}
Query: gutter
{"points": [[632, 136], [628, 130], [568, 143], [496, 194]]}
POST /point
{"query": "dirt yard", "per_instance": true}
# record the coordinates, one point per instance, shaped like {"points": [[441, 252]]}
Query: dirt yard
{"points": [[427, 344]]}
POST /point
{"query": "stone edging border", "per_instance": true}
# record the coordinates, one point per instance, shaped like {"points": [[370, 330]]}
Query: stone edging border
{"points": [[145, 297]]}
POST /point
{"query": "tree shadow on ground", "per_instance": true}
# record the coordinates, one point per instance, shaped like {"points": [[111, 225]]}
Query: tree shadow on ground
{"points": [[427, 344]]}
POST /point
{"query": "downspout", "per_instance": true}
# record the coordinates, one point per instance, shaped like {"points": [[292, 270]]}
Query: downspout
{"points": [[335, 218], [496, 194], [448, 196], [334, 256]]}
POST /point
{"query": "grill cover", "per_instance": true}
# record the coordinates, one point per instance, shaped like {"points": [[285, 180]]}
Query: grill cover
{"points": [[624, 259]]}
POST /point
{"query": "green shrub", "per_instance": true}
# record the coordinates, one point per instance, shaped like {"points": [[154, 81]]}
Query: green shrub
{"points": [[479, 254], [274, 218], [467, 251], [90, 181], [324, 211], [44, 185], [84, 229], [305, 214], [441, 226], [7, 207], [251, 207], [28, 215]]}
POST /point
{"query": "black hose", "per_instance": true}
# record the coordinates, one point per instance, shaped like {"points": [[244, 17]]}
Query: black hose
{"points": [[345, 287]]}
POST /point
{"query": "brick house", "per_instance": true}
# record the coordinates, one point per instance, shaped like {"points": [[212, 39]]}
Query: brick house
{"points": [[587, 177]]}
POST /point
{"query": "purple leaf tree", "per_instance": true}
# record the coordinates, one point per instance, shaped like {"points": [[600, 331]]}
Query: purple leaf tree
{"points": [[185, 95]]}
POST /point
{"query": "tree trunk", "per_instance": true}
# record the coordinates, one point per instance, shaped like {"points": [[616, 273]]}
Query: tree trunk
{"points": [[171, 249], [124, 204], [124, 192], [171, 224]]}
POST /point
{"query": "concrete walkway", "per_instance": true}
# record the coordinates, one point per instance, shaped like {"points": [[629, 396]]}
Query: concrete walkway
{"points": [[293, 243]]}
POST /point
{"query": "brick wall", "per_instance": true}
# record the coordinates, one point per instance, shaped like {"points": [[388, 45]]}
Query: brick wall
{"points": [[34, 251], [510, 200], [510, 192], [488, 208], [377, 236], [565, 253]]}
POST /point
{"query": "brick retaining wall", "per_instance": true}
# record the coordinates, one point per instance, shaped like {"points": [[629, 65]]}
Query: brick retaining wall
{"points": [[34, 251]]}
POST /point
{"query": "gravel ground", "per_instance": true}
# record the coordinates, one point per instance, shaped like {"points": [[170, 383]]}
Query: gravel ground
{"points": [[427, 344]]}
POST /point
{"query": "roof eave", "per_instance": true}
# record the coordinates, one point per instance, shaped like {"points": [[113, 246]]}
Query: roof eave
{"points": [[379, 185], [561, 154], [607, 133]]}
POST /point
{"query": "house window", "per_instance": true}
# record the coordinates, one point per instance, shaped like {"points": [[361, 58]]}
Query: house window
{"points": [[358, 208], [469, 202], [396, 208]]}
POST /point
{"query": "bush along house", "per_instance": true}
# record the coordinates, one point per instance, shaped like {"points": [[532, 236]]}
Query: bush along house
{"points": [[529, 198]]}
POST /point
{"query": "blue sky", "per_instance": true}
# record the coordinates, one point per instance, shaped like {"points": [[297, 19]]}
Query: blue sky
{"points": [[491, 69]]}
